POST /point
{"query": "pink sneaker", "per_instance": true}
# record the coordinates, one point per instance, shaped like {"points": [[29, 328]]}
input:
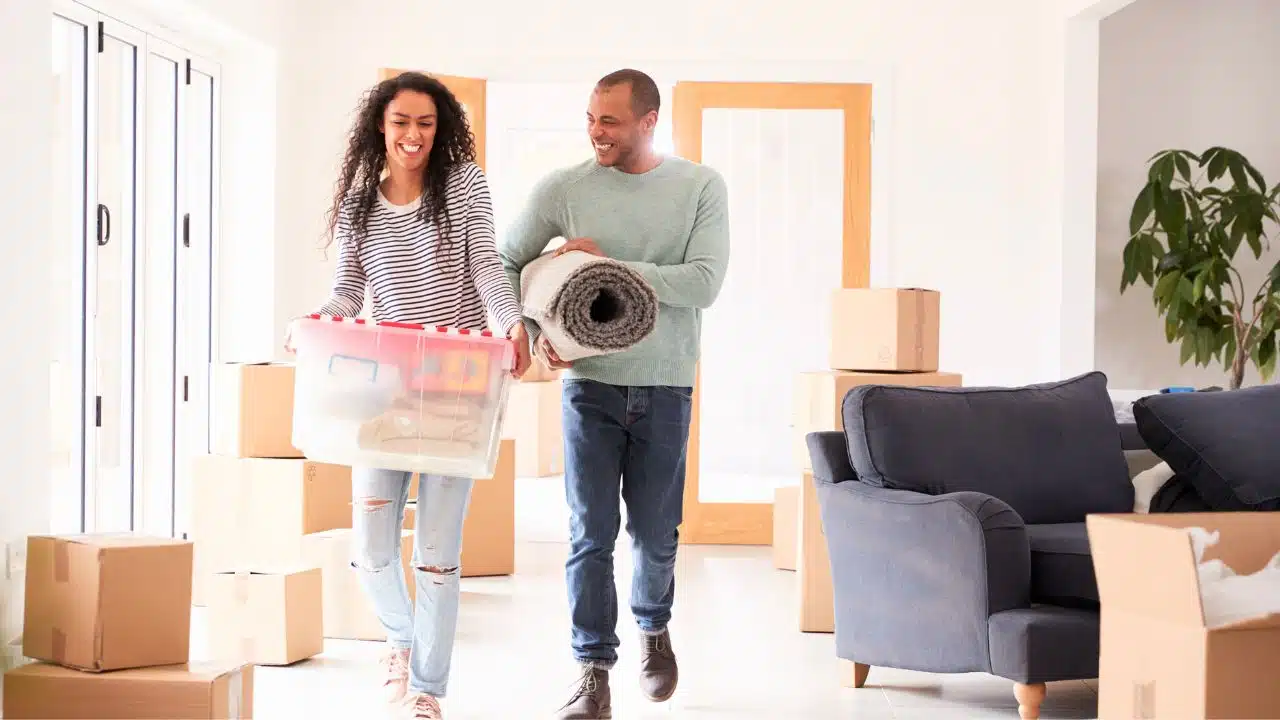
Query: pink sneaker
{"points": [[396, 685], [425, 707]]}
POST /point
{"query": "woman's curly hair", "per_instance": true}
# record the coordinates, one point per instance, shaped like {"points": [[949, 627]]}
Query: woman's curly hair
{"points": [[366, 157]]}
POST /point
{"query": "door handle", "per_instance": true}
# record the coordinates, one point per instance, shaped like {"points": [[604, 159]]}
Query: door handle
{"points": [[104, 225]]}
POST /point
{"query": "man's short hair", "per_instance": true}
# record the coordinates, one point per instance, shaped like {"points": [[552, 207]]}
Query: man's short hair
{"points": [[644, 91]]}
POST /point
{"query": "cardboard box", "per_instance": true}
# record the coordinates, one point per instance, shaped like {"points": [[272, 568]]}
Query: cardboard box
{"points": [[253, 410], [818, 398], [266, 616], [347, 612], [256, 511], [107, 602], [817, 595], [885, 329], [533, 420], [173, 692], [489, 532], [786, 527], [1159, 660]]}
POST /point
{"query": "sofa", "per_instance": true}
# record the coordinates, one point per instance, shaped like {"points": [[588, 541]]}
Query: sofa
{"points": [[955, 517], [955, 525]]}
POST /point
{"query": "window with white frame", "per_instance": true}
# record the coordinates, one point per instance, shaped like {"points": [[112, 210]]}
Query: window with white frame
{"points": [[134, 226]]}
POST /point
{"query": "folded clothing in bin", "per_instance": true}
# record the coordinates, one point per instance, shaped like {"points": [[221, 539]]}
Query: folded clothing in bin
{"points": [[400, 397], [586, 304]]}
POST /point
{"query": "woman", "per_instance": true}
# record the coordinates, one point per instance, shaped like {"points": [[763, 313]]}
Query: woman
{"points": [[421, 241]]}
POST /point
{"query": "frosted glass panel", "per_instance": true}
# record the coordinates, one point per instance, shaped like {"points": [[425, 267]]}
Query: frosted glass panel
{"points": [[785, 174], [159, 283], [113, 320], [194, 296]]}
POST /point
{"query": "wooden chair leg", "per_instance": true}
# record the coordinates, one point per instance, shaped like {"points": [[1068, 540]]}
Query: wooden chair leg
{"points": [[1029, 699], [854, 674]]}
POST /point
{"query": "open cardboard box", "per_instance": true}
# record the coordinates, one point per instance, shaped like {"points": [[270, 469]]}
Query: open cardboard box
{"points": [[1159, 660]]}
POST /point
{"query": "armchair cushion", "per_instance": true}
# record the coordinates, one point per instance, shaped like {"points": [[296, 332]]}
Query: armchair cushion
{"points": [[1062, 566], [1051, 451], [1221, 444]]}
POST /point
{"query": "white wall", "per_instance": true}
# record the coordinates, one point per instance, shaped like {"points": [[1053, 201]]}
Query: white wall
{"points": [[975, 186], [1175, 74], [25, 102]]}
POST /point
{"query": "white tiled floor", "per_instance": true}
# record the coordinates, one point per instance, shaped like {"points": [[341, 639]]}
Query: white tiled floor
{"points": [[741, 656]]}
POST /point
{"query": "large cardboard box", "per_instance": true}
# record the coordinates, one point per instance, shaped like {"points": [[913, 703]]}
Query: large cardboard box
{"points": [[253, 410], [107, 602], [818, 398], [533, 421], [817, 594], [347, 612], [1159, 660], [266, 616], [879, 329], [255, 511], [175, 692]]}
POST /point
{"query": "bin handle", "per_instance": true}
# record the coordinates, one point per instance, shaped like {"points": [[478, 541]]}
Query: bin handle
{"points": [[372, 378]]}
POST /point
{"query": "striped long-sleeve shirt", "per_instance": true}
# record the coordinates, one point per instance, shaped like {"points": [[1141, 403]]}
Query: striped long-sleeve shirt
{"points": [[414, 276]]}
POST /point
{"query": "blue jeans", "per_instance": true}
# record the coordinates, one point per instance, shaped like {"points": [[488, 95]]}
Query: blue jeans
{"points": [[426, 627], [628, 442]]}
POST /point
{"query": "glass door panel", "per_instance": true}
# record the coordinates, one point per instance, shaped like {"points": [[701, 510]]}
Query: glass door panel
{"points": [[110, 496]]}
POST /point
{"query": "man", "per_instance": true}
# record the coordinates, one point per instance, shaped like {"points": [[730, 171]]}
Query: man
{"points": [[626, 415]]}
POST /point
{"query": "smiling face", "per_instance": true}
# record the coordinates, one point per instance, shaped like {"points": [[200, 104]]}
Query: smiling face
{"points": [[617, 134], [409, 126]]}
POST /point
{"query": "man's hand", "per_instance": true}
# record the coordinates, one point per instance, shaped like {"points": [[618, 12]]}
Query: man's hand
{"points": [[549, 354], [586, 245], [520, 338]]}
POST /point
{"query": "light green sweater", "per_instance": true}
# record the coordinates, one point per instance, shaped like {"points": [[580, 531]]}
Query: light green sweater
{"points": [[671, 224]]}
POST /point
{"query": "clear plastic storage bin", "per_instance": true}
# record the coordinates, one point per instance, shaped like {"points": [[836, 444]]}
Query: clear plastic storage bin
{"points": [[399, 396]]}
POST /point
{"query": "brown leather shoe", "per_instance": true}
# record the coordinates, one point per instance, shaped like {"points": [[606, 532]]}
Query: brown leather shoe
{"points": [[658, 671], [591, 699]]}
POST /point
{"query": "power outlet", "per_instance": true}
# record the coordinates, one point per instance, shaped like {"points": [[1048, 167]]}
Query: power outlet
{"points": [[15, 559]]}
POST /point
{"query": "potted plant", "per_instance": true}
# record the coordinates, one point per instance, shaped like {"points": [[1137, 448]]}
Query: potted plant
{"points": [[1184, 233]]}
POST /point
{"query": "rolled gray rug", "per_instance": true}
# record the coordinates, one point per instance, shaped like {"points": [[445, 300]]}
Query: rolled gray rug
{"points": [[586, 304]]}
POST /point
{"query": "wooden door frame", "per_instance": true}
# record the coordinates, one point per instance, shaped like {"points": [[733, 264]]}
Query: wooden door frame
{"points": [[752, 523], [471, 92]]}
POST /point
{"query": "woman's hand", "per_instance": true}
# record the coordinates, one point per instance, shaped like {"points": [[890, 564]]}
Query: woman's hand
{"points": [[520, 338], [288, 337]]}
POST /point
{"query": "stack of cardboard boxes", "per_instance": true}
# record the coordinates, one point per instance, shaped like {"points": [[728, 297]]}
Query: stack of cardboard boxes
{"points": [[108, 620], [883, 336], [253, 501], [533, 421], [273, 535]]}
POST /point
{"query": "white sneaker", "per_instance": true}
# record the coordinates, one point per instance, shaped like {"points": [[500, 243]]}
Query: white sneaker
{"points": [[396, 685]]}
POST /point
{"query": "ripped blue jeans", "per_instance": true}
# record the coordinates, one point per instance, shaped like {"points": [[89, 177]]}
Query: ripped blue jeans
{"points": [[427, 626]]}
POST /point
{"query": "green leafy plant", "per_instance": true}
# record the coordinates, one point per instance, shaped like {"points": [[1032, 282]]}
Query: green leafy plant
{"points": [[1184, 232]]}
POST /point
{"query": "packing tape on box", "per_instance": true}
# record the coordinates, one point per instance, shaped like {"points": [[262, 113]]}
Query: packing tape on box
{"points": [[248, 648], [241, 588], [61, 561], [236, 706], [918, 350], [58, 645]]}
